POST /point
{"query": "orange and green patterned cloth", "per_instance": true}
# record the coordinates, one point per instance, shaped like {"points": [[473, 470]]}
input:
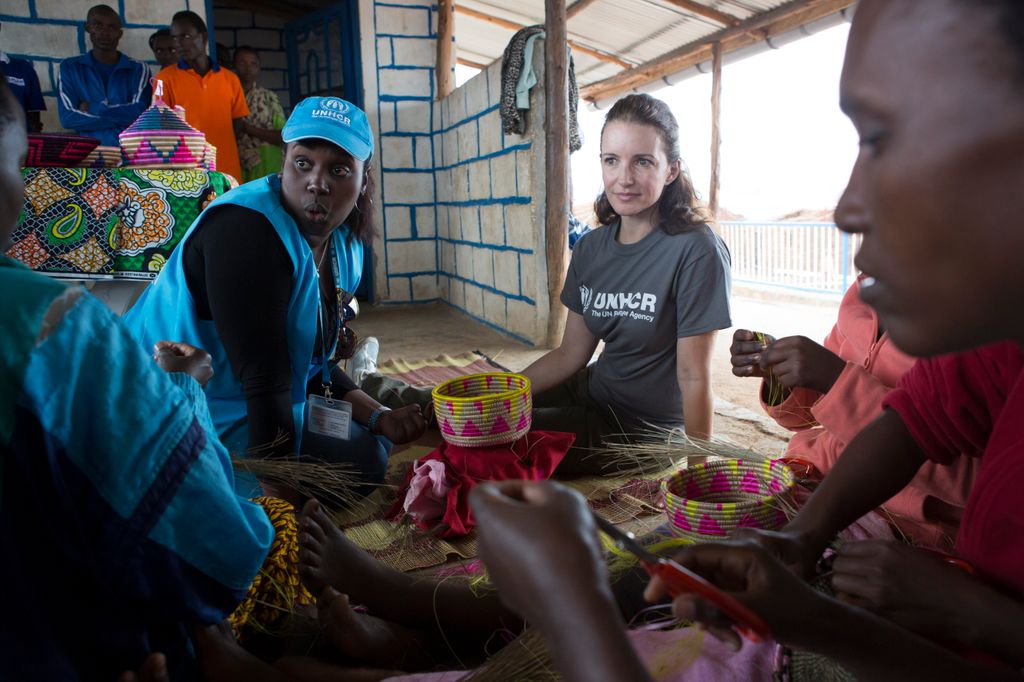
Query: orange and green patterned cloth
{"points": [[108, 223]]}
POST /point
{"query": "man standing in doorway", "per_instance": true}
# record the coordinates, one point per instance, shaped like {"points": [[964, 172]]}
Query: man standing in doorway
{"points": [[103, 91], [211, 95]]}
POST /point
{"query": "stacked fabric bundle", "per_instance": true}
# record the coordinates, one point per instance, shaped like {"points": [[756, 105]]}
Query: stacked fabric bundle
{"points": [[58, 151], [161, 138]]}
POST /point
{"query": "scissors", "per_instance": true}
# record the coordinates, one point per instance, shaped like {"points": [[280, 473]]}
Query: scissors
{"points": [[680, 579]]}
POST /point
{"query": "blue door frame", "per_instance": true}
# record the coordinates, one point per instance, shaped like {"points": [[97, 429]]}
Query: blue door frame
{"points": [[316, 44]]}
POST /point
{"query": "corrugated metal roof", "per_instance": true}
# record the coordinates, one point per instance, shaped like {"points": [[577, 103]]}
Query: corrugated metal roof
{"points": [[634, 31]]}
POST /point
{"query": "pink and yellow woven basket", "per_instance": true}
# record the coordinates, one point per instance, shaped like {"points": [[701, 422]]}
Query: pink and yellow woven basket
{"points": [[161, 138], [487, 409], [710, 500]]}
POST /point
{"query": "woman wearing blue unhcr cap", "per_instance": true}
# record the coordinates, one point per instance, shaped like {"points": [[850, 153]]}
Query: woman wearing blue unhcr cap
{"points": [[259, 281]]}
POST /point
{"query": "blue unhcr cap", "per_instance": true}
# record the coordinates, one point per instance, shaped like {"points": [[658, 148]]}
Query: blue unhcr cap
{"points": [[334, 120]]}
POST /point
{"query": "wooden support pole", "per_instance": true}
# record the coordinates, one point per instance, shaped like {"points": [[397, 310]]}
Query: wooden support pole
{"points": [[512, 25], [716, 133], [445, 48], [556, 150], [750, 31]]}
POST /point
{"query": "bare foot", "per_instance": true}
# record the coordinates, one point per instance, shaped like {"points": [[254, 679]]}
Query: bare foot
{"points": [[364, 638], [222, 658], [329, 559]]}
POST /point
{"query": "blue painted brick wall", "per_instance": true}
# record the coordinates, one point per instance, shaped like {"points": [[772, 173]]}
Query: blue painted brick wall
{"points": [[457, 193]]}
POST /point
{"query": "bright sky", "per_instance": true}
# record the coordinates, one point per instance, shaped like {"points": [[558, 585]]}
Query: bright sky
{"points": [[785, 144]]}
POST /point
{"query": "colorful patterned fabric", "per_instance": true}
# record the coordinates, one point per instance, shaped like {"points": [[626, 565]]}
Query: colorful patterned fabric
{"points": [[119, 528], [103, 223], [258, 157], [277, 589]]}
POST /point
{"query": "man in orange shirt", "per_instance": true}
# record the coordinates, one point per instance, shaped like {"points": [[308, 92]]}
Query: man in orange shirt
{"points": [[212, 96]]}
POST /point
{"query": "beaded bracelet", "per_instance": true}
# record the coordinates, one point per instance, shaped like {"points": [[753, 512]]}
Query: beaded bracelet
{"points": [[375, 416]]}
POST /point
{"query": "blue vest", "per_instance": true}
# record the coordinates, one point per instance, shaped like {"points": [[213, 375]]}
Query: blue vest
{"points": [[166, 310]]}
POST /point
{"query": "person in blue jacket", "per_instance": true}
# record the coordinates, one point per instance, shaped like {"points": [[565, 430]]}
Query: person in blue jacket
{"points": [[103, 91], [120, 530], [23, 81], [260, 279]]}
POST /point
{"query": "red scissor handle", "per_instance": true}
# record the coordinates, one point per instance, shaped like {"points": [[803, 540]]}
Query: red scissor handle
{"points": [[679, 579], [962, 564], [802, 468]]}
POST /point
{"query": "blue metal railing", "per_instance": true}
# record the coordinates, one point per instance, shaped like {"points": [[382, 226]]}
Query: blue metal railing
{"points": [[813, 257]]}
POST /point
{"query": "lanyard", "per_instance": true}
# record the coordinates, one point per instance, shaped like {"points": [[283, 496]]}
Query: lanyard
{"points": [[325, 364]]}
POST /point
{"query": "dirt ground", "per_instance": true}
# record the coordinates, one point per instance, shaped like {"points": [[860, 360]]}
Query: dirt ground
{"points": [[424, 331]]}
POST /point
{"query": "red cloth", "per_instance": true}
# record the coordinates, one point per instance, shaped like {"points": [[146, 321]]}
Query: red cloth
{"points": [[533, 457], [973, 403], [825, 423]]}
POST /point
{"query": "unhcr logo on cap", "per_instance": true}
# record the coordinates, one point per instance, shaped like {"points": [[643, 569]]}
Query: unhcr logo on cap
{"points": [[334, 103], [332, 107], [332, 119]]}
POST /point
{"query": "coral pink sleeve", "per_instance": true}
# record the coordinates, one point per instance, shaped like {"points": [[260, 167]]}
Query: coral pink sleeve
{"points": [[853, 402], [793, 413]]}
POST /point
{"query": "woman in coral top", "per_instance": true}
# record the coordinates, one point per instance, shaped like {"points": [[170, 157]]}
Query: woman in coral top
{"points": [[828, 393]]}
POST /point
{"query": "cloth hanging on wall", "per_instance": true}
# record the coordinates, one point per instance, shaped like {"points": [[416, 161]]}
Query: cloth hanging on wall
{"points": [[517, 77]]}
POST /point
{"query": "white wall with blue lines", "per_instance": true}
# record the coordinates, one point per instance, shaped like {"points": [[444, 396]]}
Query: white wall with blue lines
{"points": [[462, 202]]}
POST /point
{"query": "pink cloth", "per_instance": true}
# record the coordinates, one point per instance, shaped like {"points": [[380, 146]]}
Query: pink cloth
{"points": [[825, 423], [685, 654], [532, 458], [428, 491]]}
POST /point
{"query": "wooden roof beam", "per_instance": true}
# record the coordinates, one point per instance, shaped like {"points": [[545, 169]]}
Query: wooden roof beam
{"points": [[512, 25], [753, 30], [472, 64], [706, 12], [577, 7]]}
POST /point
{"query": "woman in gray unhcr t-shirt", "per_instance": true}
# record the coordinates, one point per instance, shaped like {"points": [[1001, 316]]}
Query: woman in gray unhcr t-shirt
{"points": [[653, 284]]}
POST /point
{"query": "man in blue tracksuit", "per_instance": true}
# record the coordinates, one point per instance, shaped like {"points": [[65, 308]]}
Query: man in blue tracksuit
{"points": [[103, 91]]}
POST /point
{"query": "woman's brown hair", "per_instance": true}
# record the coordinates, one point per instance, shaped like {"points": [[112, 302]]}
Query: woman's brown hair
{"points": [[678, 208]]}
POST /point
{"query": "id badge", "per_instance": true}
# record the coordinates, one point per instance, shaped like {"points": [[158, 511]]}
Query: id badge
{"points": [[328, 417]]}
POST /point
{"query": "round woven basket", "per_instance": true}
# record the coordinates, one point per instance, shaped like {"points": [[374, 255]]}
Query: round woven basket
{"points": [[483, 409], [708, 501], [155, 149]]}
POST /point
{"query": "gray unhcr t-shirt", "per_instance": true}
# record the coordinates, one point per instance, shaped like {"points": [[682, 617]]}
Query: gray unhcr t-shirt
{"points": [[640, 299]]}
